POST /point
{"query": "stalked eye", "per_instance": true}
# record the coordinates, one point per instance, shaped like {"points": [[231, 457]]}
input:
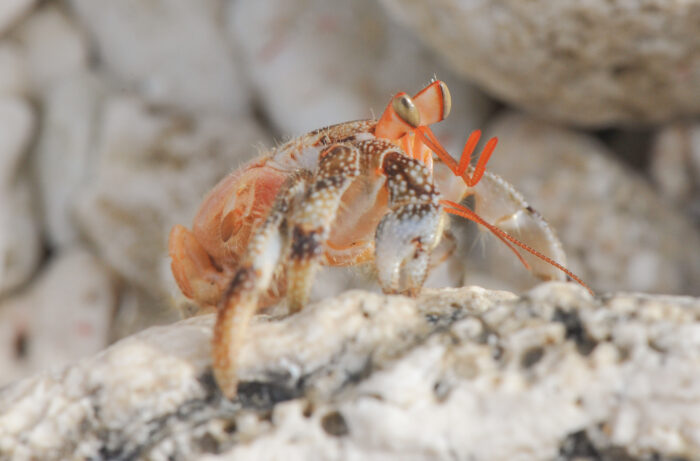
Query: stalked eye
{"points": [[406, 110], [446, 100]]}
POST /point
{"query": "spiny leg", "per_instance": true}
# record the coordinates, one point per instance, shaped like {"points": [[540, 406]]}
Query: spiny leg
{"points": [[252, 278], [311, 221], [412, 228]]}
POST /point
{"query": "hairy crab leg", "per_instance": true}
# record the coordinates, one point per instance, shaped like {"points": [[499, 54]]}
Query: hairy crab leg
{"points": [[459, 210], [253, 277], [311, 221]]}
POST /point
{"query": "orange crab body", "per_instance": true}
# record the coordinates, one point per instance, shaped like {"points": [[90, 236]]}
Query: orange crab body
{"points": [[343, 195]]}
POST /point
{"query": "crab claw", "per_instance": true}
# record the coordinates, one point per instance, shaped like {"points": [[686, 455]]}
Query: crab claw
{"points": [[404, 240], [192, 267]]}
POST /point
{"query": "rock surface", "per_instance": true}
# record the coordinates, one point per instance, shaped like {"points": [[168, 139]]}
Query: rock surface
{"points": [[13, 70], [675, 165], [11, 11], [66, 157], [65, 316], [172, 52], [19, 231], [344, 63], [467, 374], [617, 233], [593, 63], [54, 46]]}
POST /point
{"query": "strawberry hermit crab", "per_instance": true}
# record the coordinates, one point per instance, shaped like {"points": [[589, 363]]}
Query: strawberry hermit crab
{"points": [[343, 195]]}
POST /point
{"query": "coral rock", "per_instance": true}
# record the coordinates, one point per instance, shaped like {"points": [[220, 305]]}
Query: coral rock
{"points": [[468, 374], [592, 63]]}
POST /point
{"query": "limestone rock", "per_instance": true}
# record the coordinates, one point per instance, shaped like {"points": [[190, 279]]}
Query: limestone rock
{"points": [[63, 317], [591, 63], [467, 374], [65, 156], [19, 233], [55, 48], [13, 70], [327, 62], [153, 168], [618, 234], [172, 51], [675, 165], [11, 11]]}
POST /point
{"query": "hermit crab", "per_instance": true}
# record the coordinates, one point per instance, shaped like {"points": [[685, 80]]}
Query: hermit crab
{"points": [[356, 192]]}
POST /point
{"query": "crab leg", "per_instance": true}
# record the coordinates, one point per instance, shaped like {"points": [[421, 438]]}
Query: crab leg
{"points": [[311, 221], [412, 228], [253, 277]]}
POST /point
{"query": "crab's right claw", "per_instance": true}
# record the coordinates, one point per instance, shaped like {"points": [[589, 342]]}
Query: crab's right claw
{"points": [[192, 267]]}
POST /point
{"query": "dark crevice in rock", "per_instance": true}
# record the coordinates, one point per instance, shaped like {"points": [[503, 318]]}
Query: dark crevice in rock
{"points": [[261, 395], [531, 357], [334, 424], [577, 446], [21, 344], [575, 330]]}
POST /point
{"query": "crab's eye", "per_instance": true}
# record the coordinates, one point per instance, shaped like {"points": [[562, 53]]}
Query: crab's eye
{"points": [[406, 110], [446, 100]]}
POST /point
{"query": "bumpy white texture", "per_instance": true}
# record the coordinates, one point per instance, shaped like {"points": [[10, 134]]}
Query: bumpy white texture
{"points": [[593, 63], [64, 316], [616, 231], [172, 51], [467, 374]]}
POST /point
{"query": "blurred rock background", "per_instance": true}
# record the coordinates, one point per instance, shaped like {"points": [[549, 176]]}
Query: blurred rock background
{"points": [[117, 116]]}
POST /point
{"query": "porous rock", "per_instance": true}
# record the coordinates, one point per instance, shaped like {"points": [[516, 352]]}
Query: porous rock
{"points": [[63, 317], [153, 166], [65, 156], [11, 11], [316, 63], [675, 165], [617, 232], [19, 231], [467, 374], [13, 70], [54, 46], [173, 52], [592, 63]]}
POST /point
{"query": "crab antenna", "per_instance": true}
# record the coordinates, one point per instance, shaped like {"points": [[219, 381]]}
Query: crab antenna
{"points": [[457, 209], [469, 214]]}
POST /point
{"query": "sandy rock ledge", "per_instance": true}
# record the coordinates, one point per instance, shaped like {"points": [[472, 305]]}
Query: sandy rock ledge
{"points": [[455, 374]]}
